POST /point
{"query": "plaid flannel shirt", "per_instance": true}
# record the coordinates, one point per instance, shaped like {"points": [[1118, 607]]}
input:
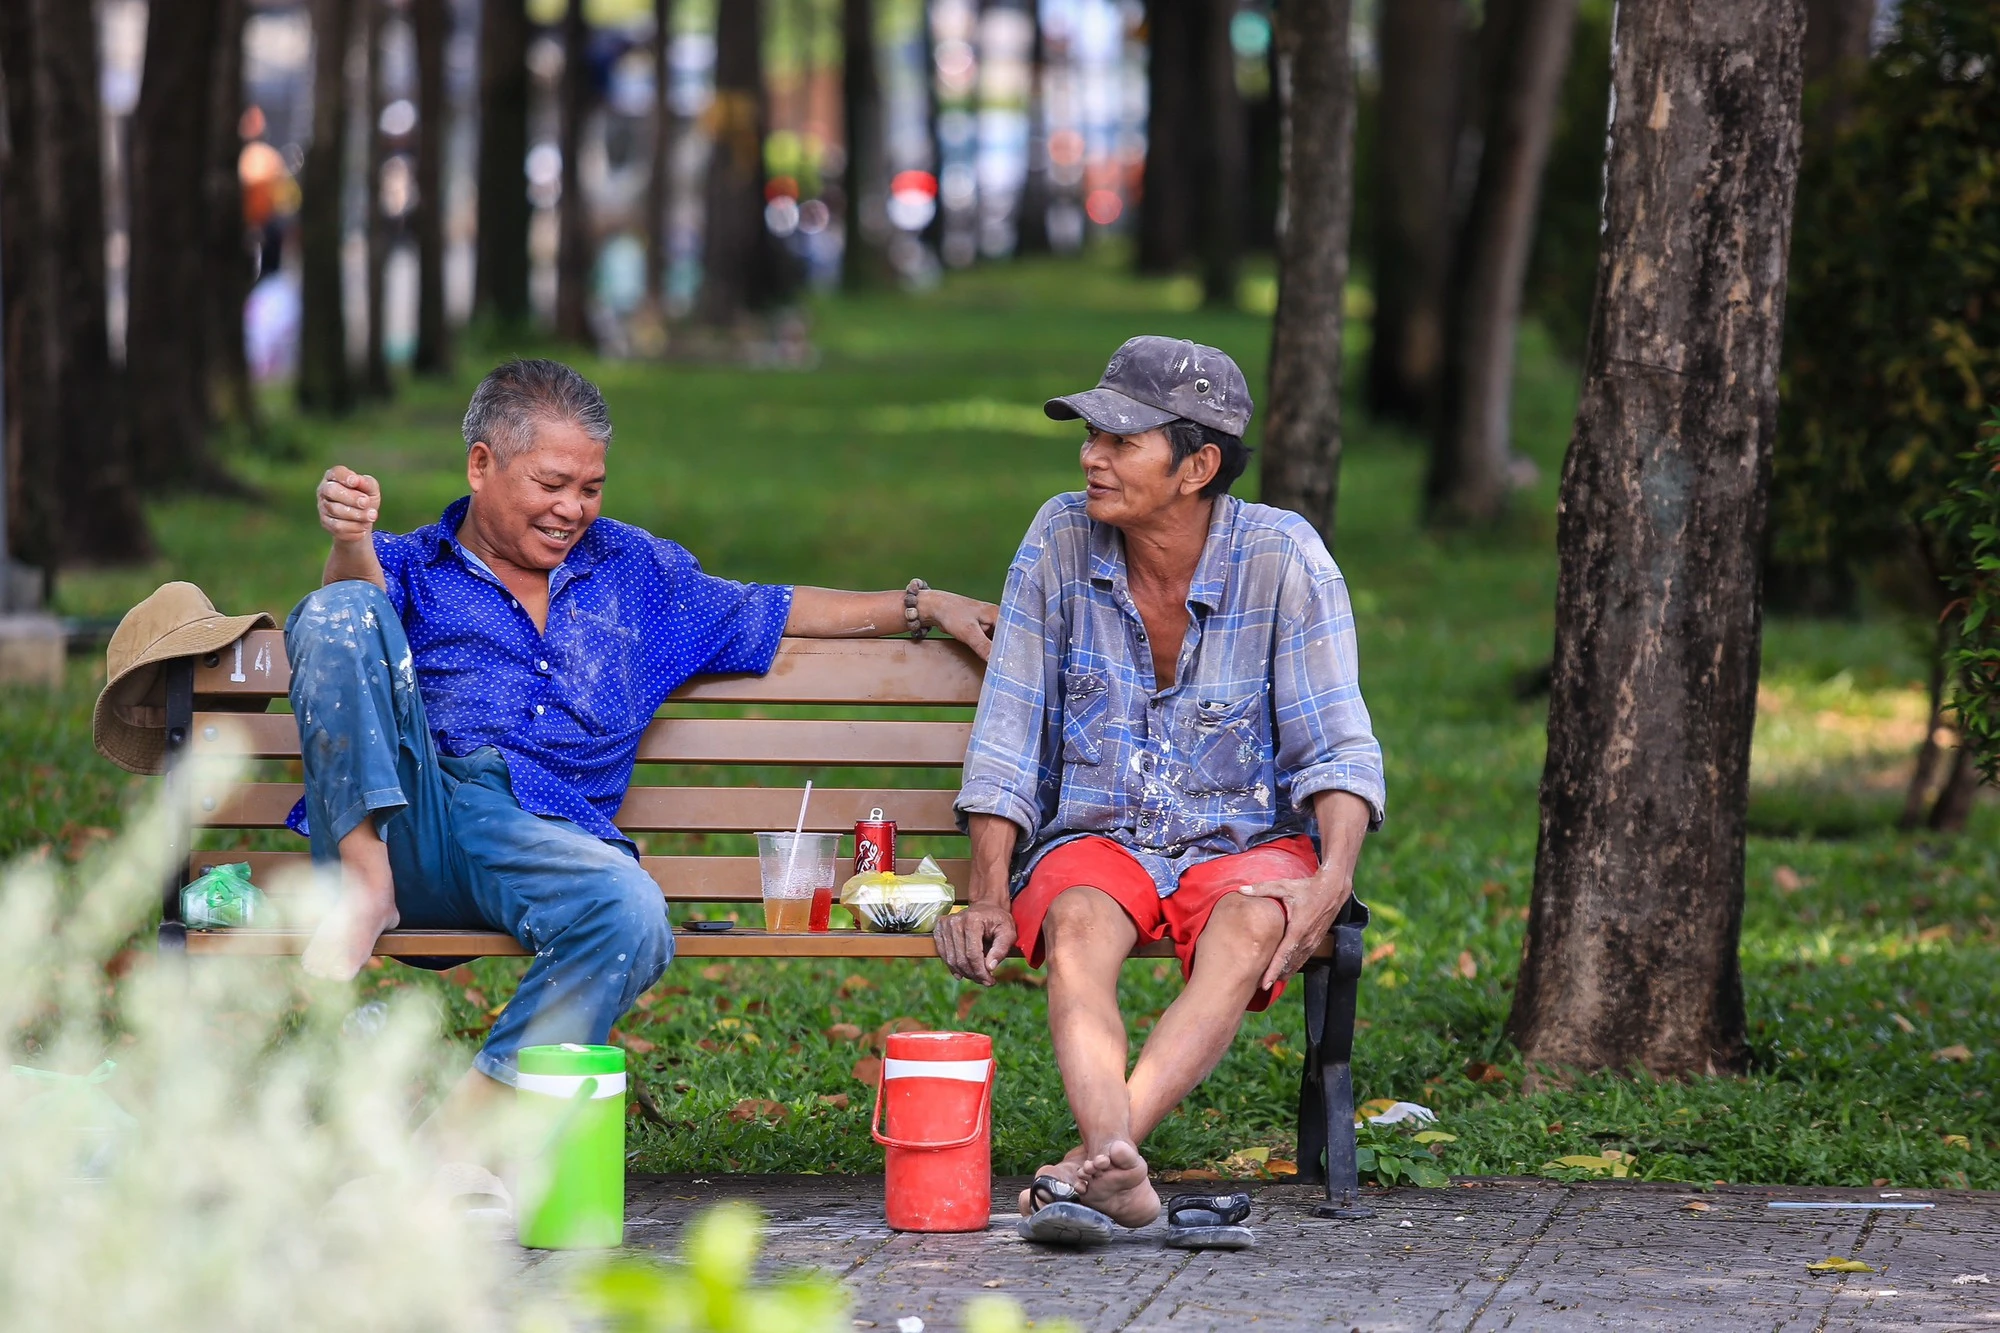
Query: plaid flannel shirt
{"points": [[1073, 737]]}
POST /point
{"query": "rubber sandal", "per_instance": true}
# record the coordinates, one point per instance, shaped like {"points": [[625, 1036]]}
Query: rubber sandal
{"points": [[1059, 1219], [1209, 1222]]}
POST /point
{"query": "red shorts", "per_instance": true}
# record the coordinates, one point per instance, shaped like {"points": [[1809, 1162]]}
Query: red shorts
{"points": [[1103, 865]]}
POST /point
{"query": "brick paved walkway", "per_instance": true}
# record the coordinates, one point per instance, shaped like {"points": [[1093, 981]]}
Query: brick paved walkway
{"points": [[1485, 1255]]}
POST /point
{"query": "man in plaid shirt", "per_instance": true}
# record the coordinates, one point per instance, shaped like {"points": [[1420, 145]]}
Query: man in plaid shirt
{"points": [[1171, 742]]}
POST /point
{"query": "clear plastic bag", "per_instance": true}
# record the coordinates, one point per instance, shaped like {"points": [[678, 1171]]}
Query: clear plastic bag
{"points": [[224, 897], [899, 904]]}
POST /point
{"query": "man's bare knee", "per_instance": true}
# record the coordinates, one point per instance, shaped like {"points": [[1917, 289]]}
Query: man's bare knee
{"points": [[1252, 927], [1079, 925]]}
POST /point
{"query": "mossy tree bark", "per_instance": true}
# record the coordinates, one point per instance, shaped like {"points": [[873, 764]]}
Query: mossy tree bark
{"points": [[1302, 419], [1631, 956]]}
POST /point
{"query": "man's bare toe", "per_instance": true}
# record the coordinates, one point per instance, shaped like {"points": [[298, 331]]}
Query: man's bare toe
{"points": [[1120, 1188]]}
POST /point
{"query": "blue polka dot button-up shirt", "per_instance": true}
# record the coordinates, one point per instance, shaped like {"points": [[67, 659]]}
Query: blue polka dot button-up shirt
{"points": [[631, 617]]}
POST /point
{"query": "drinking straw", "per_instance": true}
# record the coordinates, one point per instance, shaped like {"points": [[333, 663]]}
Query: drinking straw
{"points": [[798, 831]]}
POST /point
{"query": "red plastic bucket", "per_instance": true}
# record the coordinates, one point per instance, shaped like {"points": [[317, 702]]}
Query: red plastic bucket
{"points": [[936, 1095]]}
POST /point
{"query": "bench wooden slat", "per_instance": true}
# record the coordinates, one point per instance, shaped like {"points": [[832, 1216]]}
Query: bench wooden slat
{"points": [[264, 805], [807, 671], [796, 742], [687, 944], [682, 879]]}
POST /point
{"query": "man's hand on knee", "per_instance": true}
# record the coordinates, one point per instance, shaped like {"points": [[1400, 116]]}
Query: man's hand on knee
{"points": [[1310, 907], [973, 942]]}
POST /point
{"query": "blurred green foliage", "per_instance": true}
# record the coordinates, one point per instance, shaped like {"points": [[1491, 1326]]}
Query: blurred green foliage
{"points": [[1892, 344], [1970, 519], [710, 1290]]}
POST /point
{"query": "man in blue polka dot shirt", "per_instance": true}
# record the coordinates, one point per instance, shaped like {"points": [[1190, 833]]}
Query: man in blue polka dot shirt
{"points": [[470, 698]]}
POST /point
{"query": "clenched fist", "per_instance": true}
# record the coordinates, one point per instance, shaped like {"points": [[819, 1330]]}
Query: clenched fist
{"points": [[349, 504]]}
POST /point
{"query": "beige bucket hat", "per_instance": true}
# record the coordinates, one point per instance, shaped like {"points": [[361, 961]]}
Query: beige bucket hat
{"points": [[130, 724]]}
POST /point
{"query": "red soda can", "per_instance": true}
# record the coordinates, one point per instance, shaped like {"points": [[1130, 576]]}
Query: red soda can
{"points": [[874, 844]]}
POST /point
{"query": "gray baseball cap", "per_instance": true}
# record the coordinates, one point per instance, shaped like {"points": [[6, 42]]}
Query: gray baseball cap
{"points": [[1152, 381]]}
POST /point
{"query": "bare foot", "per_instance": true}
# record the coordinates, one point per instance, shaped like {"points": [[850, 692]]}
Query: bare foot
{"points": [[1115, 1183], [1066, 1169], [346, 936]]}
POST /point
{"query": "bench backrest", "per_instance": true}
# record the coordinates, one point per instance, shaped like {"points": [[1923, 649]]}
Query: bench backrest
{"points": [[850, 676]]}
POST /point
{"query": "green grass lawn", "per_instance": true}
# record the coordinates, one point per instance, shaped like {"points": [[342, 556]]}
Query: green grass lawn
{"points": [[915, 448]]}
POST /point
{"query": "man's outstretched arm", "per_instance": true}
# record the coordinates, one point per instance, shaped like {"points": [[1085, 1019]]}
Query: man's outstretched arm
{"points": [[829, 613], [973, 942]]}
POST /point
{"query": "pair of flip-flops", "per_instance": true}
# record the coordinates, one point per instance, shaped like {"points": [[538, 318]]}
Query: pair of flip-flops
{"points": [[1194, 1221]]}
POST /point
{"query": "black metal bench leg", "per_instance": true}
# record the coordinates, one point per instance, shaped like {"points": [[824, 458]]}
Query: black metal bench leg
{"points": [[1326, 1091], [179, 675]]}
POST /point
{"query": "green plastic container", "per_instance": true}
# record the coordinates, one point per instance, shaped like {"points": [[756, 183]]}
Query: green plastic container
{"points": [[572, 1189]]}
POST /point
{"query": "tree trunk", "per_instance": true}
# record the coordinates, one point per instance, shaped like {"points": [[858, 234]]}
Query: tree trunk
{"points": [[1422, 48], [73, 496], [166, 356], [1631, 956], [1031, 232], [1961, 786], [575, 250], [1937, 722], [1223, 185], [375, 226], [659, 181], [324, 383], [1470, 449], [1169, 202], [230, 262], [432, 21], [500, 277], [1836, 54], [740, 263], [1302, 419], [864, 257]]}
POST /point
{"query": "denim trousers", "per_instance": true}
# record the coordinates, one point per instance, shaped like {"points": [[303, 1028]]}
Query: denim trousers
{"points": [[464, 854]]}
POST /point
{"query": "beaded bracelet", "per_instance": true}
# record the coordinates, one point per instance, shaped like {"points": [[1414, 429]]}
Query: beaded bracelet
{"points": [[911, 620]]}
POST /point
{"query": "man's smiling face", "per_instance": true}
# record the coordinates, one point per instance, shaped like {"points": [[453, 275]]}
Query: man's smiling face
{"points": [[530, 510]]}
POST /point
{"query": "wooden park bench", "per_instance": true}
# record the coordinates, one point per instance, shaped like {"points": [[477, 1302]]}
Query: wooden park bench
{"points": [[851, 675]]}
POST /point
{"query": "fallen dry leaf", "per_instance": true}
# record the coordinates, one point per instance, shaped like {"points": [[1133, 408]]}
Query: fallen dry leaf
{"points": [[1933, 933], [755, 1007], [1192, 1173], [1956, 1051], [1839, 1264], [1014, 972], [1602, 1164], [1787, 879], [717, 972], [1902, 1022], [722, 1004], [843, 1032], [1386, 949], [1272, 1041], [1553, 1127], [855, 982], [707, 1045], [880, 1036], [673, 990], [965, 1003], [634, 1044], [757, 1108], [837, 1100], [1880, 1181], [1468, 966], [868, 1069], [991, 1282], [1696, 1206], [1278, 1166], [1481, 1072], [1957, 1141]]}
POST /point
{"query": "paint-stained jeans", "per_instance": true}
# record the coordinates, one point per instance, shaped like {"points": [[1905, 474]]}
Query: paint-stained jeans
{"points": [[465, 855]]}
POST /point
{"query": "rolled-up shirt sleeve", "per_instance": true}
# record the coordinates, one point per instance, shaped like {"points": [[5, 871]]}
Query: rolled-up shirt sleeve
{"points": [[1324, 741], [1006, 760]]}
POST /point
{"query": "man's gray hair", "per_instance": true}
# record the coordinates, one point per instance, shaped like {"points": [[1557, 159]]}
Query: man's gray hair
{"points": [[518, 398]]}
